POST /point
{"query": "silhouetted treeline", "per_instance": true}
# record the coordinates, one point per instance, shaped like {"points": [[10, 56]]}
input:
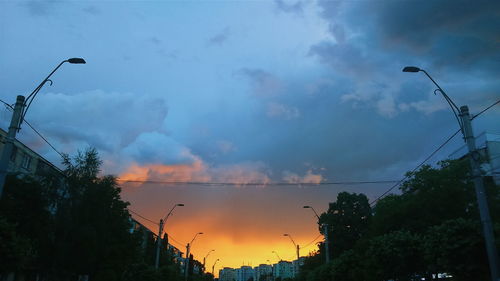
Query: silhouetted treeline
{"points": [[74, 228], [431, 227]]}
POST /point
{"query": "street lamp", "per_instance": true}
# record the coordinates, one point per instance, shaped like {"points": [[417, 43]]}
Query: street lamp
{"points": [[279, 259], [160, 233], [296, 246], [309, 207], [325, 231], [18, 114], [205, 258], [213, 267], [466, 127], [188, 249]]}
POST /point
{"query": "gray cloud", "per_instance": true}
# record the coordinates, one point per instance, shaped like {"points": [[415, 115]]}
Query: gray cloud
{"points": [[40, 7], [219, 38], [263, 82], [92, 10], [295, 8]]}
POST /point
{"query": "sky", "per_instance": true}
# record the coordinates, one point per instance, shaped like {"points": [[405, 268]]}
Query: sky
{"points": [[256, 92]]}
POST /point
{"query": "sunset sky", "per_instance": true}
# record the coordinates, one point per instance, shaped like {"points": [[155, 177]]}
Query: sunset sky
{"points": [[249, 92]]}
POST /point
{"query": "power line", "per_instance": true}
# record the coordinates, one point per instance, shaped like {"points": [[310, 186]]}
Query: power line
{"points": [[142, 217], [257, 183], [173, 239], [43, 138], [35, 130], [308, 244], [416, 168], [432, 154], [486, 109]]}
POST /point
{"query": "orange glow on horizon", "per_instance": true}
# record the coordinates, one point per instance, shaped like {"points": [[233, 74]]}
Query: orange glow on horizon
{"points": [[244, 224]]}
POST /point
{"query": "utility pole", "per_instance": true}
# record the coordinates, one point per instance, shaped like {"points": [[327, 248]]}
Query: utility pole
{"points": [[298, 253], [158, 244], [327, 253], [18, 117], [464, 122], [213, 267], [9, 140], [474, 159], [188, 247]]}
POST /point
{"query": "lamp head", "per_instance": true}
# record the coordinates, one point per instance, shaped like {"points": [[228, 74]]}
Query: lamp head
{"points": [[200, 233], [411, 69], [286, 234], [307, 207], [76, 60], [180, 205]]}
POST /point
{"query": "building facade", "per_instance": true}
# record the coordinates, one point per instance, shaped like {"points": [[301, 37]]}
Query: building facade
{"points": [[284, 269], [244, 273], [227, 274], [25, 161], [263, 272]]}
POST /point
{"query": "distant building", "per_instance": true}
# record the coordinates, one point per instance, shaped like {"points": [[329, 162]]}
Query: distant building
{"points": [[297, 264], [148, 239], [227, 274], [488, 145], [263, 272], [244, 273], [284, 269]]}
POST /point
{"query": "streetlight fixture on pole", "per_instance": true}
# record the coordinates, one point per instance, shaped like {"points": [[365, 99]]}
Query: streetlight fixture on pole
{"points": [[279, 259], [325, 231], [474, 159], [296, 246], [20, 108], [213, 267], [160, 233], [205, 258], [188, 249]]}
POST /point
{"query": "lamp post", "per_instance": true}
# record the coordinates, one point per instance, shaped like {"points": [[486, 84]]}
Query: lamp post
{"points": [[160, 233], [325, 231], [296, 246], [20, 108], [213, 267], [279, 259], [474, 159], [205, 258], [188, 248]]}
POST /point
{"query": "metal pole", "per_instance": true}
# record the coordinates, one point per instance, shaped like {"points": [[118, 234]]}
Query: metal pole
{"points": [[298, 253], [327, 253], [9, 141], [477, 178], [158, 244], [213, 267], [188, 246]]}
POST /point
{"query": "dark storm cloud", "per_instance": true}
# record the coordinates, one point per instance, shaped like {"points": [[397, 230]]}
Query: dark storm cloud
{"points": [[444, 33]]}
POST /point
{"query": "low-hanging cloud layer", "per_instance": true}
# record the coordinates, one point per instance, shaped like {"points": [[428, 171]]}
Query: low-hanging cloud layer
{"points": [[250, 93]]}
